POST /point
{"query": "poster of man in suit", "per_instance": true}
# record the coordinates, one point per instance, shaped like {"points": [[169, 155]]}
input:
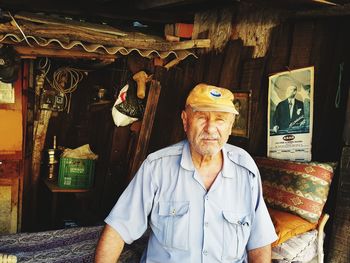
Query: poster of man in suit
{"points": [[290, 114]]}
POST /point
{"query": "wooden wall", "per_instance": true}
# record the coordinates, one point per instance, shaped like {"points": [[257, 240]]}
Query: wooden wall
{"points": [[296, 43]]}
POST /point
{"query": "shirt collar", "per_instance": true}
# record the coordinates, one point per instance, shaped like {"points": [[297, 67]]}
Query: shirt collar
{"points": [[186, 159], [227, 171], [187, 163]]}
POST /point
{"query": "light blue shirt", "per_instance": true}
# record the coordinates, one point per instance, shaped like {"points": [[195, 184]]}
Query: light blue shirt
{"points": [[189, 223]]}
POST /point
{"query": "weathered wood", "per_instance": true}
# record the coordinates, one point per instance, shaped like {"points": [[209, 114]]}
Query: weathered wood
{"points": [[278, 56], [346, 132], [146, 128], [212, 70], [254, 27], [168, 109], [9, 205], [230, 70], [37, 18], [252, 79], [302, 44], [340, 237], [39, 142], [9, 169], [334, 11], [215, 25], [133, 40], [33, 52]]}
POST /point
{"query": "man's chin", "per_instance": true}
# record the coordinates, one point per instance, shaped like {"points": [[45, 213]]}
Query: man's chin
{"points": [[209, 150]]}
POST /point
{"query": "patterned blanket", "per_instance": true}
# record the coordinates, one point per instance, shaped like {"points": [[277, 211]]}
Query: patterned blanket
{"points": [[64, 245]]}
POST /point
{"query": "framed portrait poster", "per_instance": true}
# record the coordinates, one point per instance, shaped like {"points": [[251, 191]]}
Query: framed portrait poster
{"points": [[242, 102], [290, 114]]}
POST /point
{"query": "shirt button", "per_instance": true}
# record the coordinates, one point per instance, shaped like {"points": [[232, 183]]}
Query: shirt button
{"points": [[206, 197], [205, 253], [206, 224]]}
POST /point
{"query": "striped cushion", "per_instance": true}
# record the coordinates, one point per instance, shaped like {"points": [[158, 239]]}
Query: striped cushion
{"points": [[299, 188]]}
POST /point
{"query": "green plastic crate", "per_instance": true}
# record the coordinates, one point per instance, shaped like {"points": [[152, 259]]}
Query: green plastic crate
{"points": [[76, 173]]}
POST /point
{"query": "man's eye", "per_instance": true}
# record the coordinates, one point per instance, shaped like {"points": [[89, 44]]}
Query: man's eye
{"points": [[201, 117]]}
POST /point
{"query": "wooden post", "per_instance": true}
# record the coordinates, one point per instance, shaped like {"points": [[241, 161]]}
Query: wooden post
{"points": [[39, 142], [141, 147]]}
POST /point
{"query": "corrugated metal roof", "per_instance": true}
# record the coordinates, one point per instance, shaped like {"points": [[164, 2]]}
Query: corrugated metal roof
{"points": [[51, 32], [111, 50]]}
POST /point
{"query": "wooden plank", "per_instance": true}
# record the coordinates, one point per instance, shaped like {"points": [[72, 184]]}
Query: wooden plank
{"points": [[33, 52], [8, 205], [169, 110], [134, 40], [340, 238], [212, 72], [54, 188], [302, 43], [252, 79], [9, 169], [47, 20], [146, 128], [328, 50], [229, 76], [278, 57], [346, 133]]}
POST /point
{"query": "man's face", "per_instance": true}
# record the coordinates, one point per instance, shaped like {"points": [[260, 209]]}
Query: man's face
{"points": [[207, 132], [291, 92]]}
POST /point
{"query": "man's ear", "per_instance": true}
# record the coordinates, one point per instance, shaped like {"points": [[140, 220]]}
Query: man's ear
{"points": [[184, 120]]}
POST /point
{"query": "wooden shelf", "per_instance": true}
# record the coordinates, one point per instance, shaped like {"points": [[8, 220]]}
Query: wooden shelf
{"points": [[54, 188]]}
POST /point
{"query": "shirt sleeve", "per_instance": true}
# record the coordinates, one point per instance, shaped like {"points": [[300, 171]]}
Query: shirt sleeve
{"points": [[262, 231], [129, 216]]}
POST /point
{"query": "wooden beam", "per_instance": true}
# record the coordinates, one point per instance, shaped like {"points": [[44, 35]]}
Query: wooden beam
{"points": [[33, 52], [146, 128], [107, 12], [133, 40], [150, 4], [339, 10]]}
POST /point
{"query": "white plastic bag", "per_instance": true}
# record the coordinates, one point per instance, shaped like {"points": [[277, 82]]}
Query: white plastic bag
{"points": [[119, 118]]}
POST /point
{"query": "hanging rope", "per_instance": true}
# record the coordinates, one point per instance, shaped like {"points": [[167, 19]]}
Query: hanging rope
{"points": [[65, 80], [20, 29], [337, 96]]}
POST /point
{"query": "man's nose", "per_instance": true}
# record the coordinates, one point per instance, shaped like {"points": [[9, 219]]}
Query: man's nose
{"points": [[210, 126]]}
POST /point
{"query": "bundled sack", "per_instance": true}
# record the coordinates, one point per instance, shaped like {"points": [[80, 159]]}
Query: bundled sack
{"points": [[128, 108], [82, 152]]}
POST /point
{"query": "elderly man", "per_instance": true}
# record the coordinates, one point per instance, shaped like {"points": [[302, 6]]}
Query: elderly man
{"points": [[202, 198]]}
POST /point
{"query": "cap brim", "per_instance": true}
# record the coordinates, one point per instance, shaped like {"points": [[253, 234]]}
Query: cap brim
{"points": [[217, 108]]}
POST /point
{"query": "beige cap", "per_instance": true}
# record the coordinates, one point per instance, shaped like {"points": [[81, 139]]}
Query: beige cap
{"points": [[205, 97]]}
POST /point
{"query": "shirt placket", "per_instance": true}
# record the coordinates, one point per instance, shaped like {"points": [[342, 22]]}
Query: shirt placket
{"points": [[205, 253], [208, 253]]}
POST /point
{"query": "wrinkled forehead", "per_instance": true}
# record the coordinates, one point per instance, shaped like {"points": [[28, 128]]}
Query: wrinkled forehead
{"points": [[194, 112]]}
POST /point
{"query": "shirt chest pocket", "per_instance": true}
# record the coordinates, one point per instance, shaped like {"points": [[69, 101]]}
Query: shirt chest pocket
{"points": [[174, 224], [236, 233]]}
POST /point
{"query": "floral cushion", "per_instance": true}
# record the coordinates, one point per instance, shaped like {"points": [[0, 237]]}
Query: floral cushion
{"points": [[299, 188]]}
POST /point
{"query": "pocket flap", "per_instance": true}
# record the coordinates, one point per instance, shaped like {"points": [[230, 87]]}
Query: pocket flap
{"points": [[173, 208], [236, 218]]}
